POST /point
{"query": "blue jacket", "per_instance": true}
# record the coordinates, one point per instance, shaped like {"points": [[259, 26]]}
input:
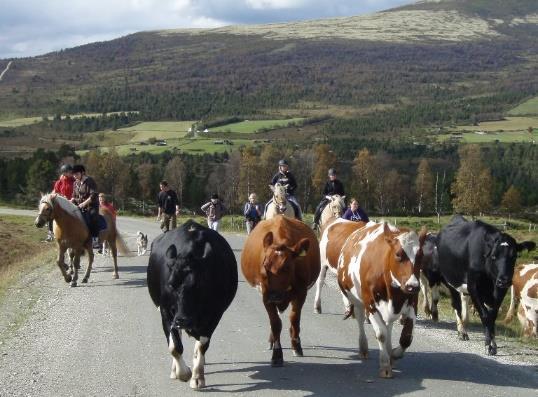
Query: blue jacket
{"points": [[356, 216]]}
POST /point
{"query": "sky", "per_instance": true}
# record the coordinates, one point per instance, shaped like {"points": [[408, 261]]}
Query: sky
{"points": [[34, 27]]}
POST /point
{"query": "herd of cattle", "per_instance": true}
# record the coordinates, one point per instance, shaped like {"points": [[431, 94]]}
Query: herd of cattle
{"points": [[379, 269]]}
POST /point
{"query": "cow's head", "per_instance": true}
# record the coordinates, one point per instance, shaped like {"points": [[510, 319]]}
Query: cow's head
{"points": [[501, 253], [528, 312], [188, 272], [279, 266], [430, 258], [405, 258]]}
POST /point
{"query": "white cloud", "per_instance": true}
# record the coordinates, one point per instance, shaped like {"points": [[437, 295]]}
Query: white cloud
{"points": [[32, 27]]}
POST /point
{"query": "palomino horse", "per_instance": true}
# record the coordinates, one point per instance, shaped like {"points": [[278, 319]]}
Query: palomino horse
{"points": [[280, 205], [333, 210], [72, 233]]}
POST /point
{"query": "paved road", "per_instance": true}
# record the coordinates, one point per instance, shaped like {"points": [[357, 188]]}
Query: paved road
{"points": [[105, 339]]}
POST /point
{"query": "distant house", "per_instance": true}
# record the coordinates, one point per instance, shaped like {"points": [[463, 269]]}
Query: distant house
{"points": [[189, 130], [480, 132], [160, 143], [219, 142], [206, 130]]}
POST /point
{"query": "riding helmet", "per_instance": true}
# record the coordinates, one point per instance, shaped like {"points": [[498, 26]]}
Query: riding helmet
{"points": [[332, 171], [282, 162], [66, 168], [78, 168]]}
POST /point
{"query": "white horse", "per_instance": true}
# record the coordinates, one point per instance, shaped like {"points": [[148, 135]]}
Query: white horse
{"points": [[333, 210], [280, 204]]}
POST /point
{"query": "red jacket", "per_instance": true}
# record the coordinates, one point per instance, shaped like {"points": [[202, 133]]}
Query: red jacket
{"points": [[64, 186], [109, 207]]}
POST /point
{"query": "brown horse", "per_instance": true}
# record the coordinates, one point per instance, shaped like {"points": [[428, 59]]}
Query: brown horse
{"points": [[72, 233]]}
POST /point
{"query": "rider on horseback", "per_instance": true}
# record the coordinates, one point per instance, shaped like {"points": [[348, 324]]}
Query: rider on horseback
{"points": [[332, 187], [285, 177], [85, 196], [64, 187]]}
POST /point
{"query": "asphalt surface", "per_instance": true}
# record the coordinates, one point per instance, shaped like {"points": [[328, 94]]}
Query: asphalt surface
{"points": [[105, 339]]}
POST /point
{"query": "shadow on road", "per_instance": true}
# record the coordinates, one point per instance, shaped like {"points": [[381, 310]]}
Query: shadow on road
{"points": [[360, 378]]}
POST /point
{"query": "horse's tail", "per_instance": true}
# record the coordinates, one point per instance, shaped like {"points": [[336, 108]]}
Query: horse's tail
{"points": [[122, 245]]}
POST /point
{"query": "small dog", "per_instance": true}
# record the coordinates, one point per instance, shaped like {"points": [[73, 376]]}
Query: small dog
{"points": [[141, 242]]}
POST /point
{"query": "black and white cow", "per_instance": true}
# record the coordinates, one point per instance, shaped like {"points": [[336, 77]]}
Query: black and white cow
{"points": [[477, 259], [192, 278], [430, 277]]}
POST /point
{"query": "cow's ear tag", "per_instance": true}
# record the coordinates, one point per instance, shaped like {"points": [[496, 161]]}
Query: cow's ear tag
{"points": [[302, 253]]}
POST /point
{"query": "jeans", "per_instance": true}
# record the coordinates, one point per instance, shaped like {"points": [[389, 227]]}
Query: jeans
{"points": [[212, 224]]}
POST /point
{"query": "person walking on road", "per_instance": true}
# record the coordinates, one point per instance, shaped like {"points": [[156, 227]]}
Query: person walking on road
{"points": [[214, 209], [168, 207]]}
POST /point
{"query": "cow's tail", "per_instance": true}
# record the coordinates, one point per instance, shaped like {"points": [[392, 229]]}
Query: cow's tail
{"points": [[122, 245]]}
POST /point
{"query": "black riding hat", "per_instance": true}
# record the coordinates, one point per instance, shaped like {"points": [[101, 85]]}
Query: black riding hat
{"points": [[215, 196], [332, 171], [282, 162], [66, 168], [78, 168]]}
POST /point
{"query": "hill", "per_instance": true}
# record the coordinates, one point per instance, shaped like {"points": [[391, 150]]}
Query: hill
{"points": [[379, 75]]}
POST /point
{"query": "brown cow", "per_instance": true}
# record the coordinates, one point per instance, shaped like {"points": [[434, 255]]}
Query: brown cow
{"points": [[525, 291], [333, 237], [379, 270], [281, 259]]}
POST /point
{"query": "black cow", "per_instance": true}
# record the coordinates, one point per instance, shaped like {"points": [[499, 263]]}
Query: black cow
{"points": [[192, 278], [478, 259]]}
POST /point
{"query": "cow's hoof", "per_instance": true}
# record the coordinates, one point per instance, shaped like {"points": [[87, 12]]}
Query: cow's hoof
{"points": [[197, 383], [464, 336], [491, 350], [298, 352], [84, 280], [317, 310], [277, 362], [435, 316], [73, 283], [363, 355], [385, 373], [185, 376], [115, 276]]}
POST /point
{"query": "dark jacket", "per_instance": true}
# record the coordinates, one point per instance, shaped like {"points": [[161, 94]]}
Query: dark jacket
{"points": [[358, 215], [85, 188], [286, 178], [333, 187], [252, 212], [167, 200]]}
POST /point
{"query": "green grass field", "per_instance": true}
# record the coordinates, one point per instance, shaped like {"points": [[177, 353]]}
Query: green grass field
{"points": [[528, 108], [157, 129], [251, 126], [512, 129], [189, 145]]}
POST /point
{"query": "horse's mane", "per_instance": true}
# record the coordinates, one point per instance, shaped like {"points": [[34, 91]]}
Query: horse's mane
{"points": [[64, 203]]}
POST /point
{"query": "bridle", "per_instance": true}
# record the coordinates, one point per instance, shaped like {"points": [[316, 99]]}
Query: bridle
{"points": [[280, 202]]}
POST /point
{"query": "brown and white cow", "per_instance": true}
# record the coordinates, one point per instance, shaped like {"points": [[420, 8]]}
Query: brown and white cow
{"points": [[333, 237], [525, 292], [379, 270], [281, 259]]}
